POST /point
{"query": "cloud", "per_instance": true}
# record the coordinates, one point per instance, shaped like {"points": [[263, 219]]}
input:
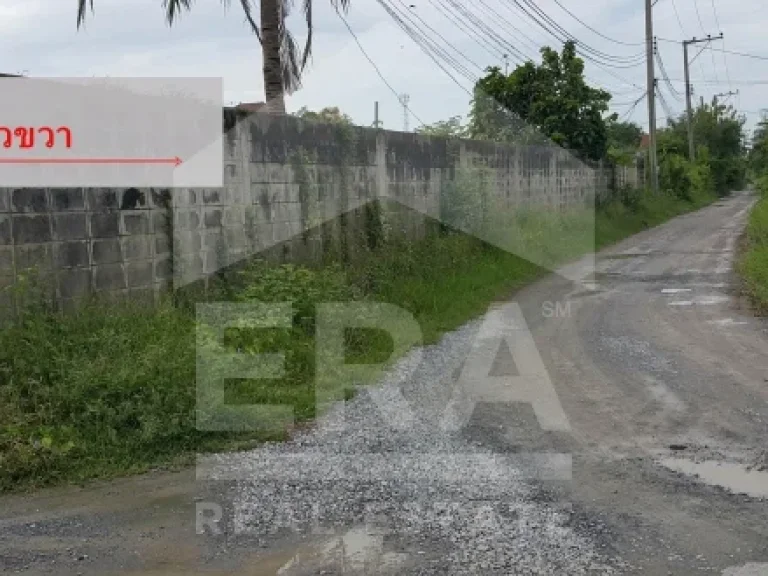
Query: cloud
{"points": [[131, 38]]}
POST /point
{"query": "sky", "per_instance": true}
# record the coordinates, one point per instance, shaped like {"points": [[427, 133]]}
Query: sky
{"points": [[131, 38]]}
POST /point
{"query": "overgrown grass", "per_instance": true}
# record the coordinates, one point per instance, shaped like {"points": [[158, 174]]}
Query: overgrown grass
{"points": [[753, 264], [111, 389], [617, 220]]}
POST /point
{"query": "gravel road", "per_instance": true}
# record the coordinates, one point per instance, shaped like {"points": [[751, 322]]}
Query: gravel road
{"points": [[615, 425]]}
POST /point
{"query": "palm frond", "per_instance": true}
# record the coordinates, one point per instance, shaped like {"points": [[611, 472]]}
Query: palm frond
{"points": [[289, 60], [247, 8], [307, 9], [173, 9], [82, 7]]}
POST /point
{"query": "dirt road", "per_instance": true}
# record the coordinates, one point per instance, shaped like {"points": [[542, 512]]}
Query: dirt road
{"points": [[640, 449]]}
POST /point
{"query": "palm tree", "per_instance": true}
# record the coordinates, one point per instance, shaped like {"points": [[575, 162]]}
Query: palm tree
{"points": [[283, 61]]}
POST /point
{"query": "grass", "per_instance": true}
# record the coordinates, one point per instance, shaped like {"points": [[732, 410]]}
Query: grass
{"points": [[110, 389], [753, 264]]}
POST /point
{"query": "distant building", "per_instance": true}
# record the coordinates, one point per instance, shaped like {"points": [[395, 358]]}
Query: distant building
{"points": [[251, 107], [645, 141]]}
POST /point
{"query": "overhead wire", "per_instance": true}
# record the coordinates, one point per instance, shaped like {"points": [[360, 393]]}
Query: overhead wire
{"points": [[586, 50], [488, 30], [461, 53], [511, 4], [720, 29], [406, 21], [629, 112], [580, 21], [426, 49], [664, 104], [664, 76], [506, 21], [703, 30], [375, 67], [682, 29], [481, 40]]}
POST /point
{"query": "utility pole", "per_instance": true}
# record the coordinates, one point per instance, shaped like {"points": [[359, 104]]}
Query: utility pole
{"points": [[376, 121], [727, 95], [689, 88], [404, 99], [506, 64], [654, 174], [688, 108]]}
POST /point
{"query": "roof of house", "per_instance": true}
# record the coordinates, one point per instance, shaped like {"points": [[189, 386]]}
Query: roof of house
{"points": [[251, 106]]}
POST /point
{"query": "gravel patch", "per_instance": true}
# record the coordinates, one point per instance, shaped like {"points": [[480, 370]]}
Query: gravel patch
{"points": [[426, 501]]}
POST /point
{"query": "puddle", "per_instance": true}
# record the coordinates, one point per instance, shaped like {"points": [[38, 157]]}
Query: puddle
{"points": [[747, 570], [727, 322], [624, 256], [703, 301], [356, 551], [733, 477]]}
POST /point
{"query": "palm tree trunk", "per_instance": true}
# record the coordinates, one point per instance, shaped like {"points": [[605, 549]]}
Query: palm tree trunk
{"points": [[271, 15]]}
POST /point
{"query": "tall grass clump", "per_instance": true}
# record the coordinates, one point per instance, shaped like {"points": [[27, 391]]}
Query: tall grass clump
{"points": [[753, 264]]}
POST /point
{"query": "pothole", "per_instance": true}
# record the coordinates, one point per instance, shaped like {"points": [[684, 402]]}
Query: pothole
{"points": [[737, 478]]}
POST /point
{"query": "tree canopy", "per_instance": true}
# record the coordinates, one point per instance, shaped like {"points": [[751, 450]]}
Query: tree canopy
{"points": [[329, 115], [717, 128], [551, 98], [451, 128], [758, 154]]}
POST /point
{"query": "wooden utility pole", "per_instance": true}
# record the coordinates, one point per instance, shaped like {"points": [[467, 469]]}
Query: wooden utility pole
{"points": [[688, 107], [654, 173], [689, 89]]}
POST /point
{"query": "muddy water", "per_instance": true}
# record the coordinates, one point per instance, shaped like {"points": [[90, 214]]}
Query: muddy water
{"points": [[734, 477]]}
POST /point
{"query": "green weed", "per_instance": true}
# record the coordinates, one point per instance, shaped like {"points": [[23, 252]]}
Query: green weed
{"points": [[110, 388]]}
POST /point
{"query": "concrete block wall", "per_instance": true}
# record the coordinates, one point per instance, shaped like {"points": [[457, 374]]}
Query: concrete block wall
{"points": [[81, 241], [293, 190]]}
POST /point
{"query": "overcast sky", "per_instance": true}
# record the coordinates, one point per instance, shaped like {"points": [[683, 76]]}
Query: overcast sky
{"points": [[131, 38]]}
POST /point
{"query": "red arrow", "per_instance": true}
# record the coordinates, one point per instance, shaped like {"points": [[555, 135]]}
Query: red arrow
{"points": [[175, 160]]}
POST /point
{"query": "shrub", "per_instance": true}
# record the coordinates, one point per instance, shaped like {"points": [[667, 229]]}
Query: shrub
{"points": [[675, 176]]}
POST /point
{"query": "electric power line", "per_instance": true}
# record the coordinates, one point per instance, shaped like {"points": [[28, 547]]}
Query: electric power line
{"points": [[405, 20], [720, 28], [572, 15], [415, 37], [375, 67], [629, 112], [479, 39], [459, 52], [672, 90], [586, 50]]}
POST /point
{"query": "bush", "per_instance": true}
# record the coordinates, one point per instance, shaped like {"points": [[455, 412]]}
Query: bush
{"points": [[753, 265], [103, 388], [675, 176]]}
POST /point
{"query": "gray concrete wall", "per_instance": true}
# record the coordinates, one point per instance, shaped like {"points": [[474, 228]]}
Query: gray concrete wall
{"points": [[293, 190], [80, 241]]}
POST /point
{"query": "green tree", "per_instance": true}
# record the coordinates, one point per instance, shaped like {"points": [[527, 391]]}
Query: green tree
{"points": [[624, 135], [451, 128], [720, 129], [283, 61], [328, 115], [758, 154], [551, 99]]}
